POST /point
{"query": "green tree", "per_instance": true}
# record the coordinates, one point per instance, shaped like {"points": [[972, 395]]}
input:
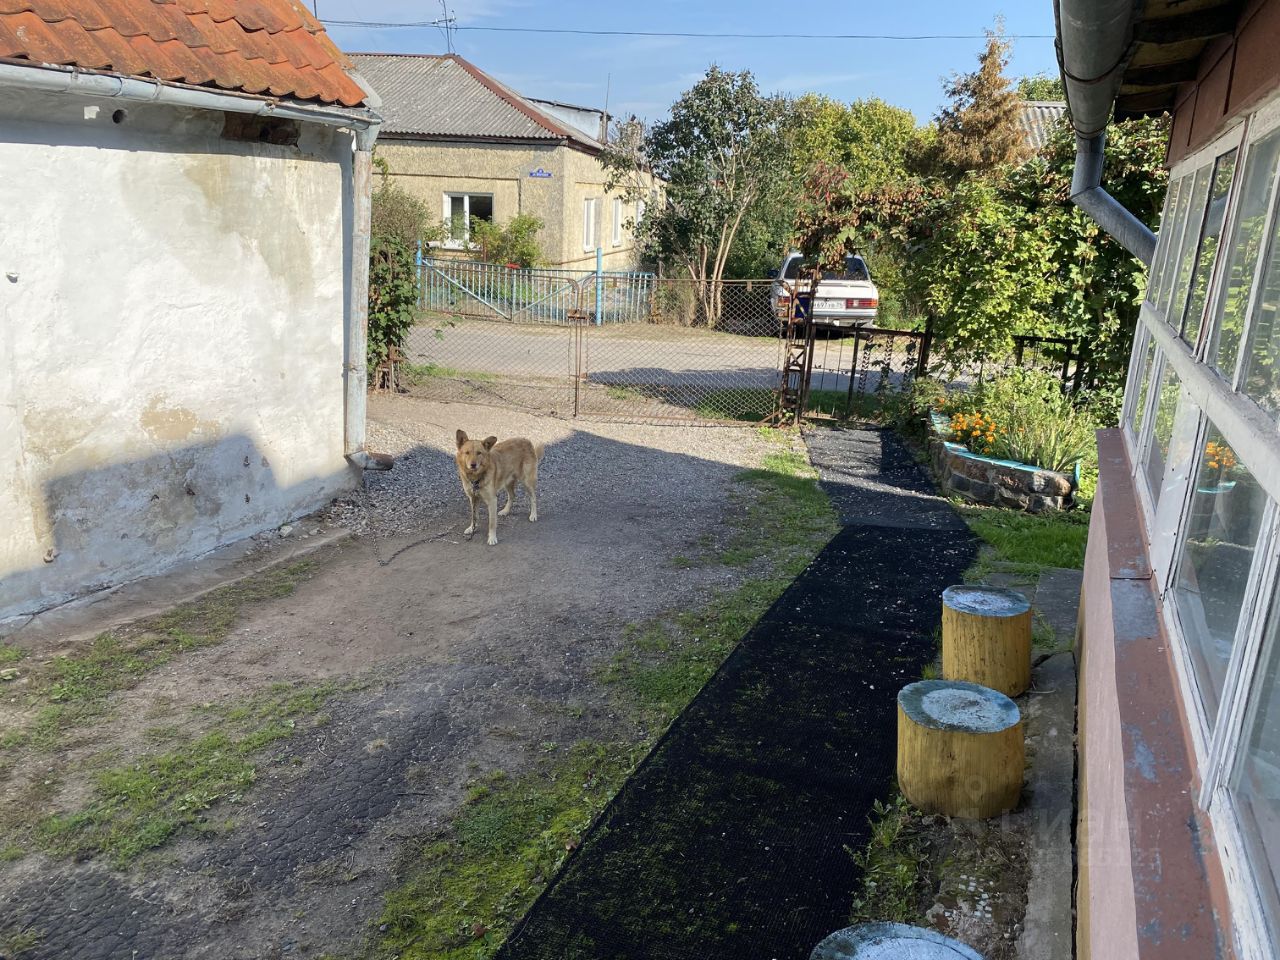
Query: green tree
{"points": [[400, 226], [718, 155], [870, 139], [1041, 87], [515, 242], [979, 129]]}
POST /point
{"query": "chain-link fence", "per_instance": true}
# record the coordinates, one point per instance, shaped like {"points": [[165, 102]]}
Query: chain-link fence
{"points": [[631, 345], [604, 345]]}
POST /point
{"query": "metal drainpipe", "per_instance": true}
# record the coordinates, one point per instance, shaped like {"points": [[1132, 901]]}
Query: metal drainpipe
{"points": [[1105, 210], [356, 371], [1094, 45]]}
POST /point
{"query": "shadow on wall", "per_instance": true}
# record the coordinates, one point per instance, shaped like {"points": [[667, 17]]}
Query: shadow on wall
{"points": [[96, 528]]}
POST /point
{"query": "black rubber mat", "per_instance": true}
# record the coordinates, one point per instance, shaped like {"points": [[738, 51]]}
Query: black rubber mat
{"points": [[733, 838]]}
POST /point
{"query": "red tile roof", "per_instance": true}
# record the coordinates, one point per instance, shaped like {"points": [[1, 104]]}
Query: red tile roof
{"points": [[266, 47]]}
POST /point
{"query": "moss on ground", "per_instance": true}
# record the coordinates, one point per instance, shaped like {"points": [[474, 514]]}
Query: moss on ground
{"points": [[70, 691], [469, 885], [465, 888], [140, 805]]}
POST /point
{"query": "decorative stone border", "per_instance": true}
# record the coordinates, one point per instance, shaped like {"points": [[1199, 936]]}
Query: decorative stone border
{"points": [[1002, 483]]}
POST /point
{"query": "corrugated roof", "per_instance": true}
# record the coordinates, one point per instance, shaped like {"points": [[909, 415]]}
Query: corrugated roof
{"points": [[429, 95], [1039, 118], [265, 47]]}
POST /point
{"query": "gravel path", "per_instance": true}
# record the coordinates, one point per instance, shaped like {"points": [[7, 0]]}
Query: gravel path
{"points": [[468, 656]]}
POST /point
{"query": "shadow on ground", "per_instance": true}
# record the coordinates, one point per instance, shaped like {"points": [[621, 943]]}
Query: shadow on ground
{"points": [[468, 658], [734, 838]]}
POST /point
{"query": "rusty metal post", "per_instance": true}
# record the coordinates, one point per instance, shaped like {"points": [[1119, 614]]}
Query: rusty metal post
{"points": [[853, 373]]}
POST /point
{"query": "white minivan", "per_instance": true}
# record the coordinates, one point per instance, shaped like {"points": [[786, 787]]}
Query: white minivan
{"points": [[844, 299]]}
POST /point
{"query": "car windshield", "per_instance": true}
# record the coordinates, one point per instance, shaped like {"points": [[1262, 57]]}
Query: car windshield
{"points": [[855, 268]]}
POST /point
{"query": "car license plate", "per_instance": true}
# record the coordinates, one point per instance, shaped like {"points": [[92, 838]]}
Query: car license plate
{"points": [[830, 304]]}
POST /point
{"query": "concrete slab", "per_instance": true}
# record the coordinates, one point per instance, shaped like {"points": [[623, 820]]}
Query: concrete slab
{"points": [[1057, 602], [1050, 792]]}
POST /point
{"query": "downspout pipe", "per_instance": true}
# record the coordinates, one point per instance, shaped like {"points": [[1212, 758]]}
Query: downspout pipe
{"points": [[1104, 209], [363, 125], [1095, 40]]}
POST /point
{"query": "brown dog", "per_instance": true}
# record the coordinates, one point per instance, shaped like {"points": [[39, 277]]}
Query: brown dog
{"points": [[487, 466]]}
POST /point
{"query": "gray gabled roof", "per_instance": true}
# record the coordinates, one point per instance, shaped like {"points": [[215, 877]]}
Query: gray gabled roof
{"points": [[444, 96], [1038, 119]]}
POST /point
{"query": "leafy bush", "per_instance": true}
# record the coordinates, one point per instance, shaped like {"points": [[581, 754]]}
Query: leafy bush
{"points": [[1025, 416], [399, 225], [515, 243]]}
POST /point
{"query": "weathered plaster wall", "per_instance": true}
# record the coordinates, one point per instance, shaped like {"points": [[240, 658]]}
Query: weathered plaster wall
{"points": [[431, 168], [171, 320]]}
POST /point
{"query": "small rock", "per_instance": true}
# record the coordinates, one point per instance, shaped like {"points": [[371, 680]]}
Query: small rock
{"points": [[9, 673], [286, 530]]}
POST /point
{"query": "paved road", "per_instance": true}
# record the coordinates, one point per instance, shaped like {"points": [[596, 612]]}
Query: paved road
{"points": [[632, 354]]}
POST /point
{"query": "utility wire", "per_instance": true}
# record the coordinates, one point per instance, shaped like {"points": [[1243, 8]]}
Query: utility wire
{"points": [[690, 35]]}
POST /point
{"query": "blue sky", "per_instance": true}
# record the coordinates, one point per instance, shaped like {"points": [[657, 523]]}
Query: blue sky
{"points": [[645, 74]]}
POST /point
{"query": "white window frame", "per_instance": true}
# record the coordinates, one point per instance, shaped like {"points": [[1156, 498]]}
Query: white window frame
{"points": [[1255, 438], [590, 223], [617, 221], [450, 243]]}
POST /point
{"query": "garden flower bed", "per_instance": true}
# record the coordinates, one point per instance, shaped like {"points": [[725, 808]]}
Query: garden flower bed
{"points": [[992, 481]]}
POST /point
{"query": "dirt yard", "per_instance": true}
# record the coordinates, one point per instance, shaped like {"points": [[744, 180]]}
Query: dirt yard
{"points": [[248, 776]]}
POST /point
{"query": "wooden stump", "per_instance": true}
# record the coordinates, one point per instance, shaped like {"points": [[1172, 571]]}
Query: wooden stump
{"points": [[960, 748], [891, 941], [986, 638]]}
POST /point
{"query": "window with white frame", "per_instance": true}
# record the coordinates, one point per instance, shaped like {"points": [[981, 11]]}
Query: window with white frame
{"points": [[459, 210], [617, 221], [1201, 414], [590, 218]]}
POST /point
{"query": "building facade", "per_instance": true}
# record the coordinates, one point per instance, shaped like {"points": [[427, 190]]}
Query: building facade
{"points": [[469, 146], [1179, 714]]}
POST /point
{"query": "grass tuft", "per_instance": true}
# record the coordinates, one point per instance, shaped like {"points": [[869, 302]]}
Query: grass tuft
{"points": [[1027, 544], [71, 690], [141, 805], [895, 867], [469, 885]]}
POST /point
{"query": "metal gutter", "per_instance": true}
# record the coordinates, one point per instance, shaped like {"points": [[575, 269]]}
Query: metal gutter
{"points": [[50, 78], [1095, 42], [363, 126]]}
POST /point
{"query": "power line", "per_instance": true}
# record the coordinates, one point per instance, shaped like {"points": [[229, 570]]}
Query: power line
{"points": [[373, 24]]}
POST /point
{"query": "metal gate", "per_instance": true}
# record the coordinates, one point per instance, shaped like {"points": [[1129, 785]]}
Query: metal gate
{"points": [[634, 346], [582, 343]]}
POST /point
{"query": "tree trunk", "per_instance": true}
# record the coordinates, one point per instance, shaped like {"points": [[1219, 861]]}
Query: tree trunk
{"points": [[960, 749], [986, 638]]}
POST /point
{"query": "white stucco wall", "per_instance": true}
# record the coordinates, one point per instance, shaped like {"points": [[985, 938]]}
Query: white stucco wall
{"points": [[171, 339]]}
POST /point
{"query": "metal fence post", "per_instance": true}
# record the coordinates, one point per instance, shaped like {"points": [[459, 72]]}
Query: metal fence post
{"points": [[599, 286]]}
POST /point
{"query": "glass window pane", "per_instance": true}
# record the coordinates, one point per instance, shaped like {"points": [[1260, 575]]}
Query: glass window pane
{"points": [[1187, 248], [1256, 783], [1166, 239], [1257, 188], [1137, 414], [1224, 169], [1220, 532], [1177, 229], [1261, 379], [458, 218], [481, 207], [1167, 393]]}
